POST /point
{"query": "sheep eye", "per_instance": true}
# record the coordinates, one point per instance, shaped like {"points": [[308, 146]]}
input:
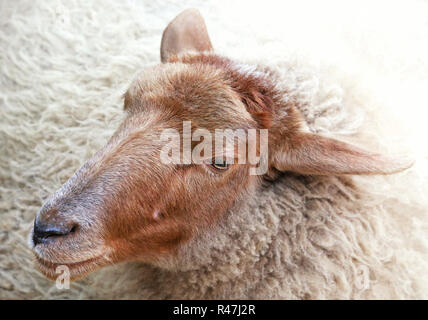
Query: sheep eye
{"points": [[220, 164]]}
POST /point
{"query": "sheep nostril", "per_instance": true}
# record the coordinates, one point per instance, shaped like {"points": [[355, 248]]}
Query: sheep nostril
{"points": [[45, 232], [73, 228]]}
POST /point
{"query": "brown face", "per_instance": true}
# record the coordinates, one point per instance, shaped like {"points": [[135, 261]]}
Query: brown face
{"points": [[127, 203]]}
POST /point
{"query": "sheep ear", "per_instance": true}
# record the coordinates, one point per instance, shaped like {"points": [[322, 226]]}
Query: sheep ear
{"points": [[187, 32], [308, 153]]}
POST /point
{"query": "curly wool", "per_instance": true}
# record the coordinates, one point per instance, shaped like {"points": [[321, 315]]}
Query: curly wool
{"points": [[64, 66]]}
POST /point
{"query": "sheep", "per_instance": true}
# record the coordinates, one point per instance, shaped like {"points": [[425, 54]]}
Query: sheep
{"points": [[304, 230]]}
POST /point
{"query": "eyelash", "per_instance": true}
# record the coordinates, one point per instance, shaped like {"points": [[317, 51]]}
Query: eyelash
{"points": [[220, 167], [210, 167]]}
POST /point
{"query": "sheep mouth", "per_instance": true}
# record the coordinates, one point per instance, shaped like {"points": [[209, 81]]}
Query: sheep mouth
{"points": [[73, 271]]}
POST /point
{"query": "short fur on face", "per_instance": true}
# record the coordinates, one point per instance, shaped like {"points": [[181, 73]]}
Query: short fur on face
{"points": [[126, 204]]}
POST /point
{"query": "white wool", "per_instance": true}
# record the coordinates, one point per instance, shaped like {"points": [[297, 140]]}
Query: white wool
{"points": [[359, 69]]}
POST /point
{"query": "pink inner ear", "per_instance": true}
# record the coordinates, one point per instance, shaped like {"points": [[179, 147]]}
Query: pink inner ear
{"points": [[187, 32]]}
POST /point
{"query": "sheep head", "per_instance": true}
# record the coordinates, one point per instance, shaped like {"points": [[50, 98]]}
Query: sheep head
{"points": [[132, 201]]}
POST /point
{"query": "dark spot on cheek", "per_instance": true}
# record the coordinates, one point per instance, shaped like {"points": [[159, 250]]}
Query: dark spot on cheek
{"points": [[159, 215]]}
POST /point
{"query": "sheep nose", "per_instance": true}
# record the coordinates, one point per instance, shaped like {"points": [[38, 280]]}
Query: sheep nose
{"points": [[44, 232]]}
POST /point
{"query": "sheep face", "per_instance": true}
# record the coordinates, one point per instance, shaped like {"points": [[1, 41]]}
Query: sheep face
{"points": [[131, 202], [126, 201]]}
